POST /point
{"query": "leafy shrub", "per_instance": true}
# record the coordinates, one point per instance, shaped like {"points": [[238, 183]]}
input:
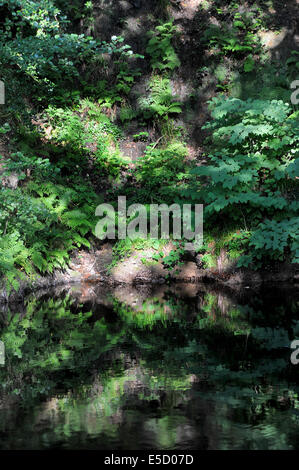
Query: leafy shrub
{"points": [[160, 171], [272, 238], [123, 77], [250, 182], [160, 102], [34, 42], [230, 40], [49, 60], [162, 53], [86, 130], [26, 166], [41, 225]]}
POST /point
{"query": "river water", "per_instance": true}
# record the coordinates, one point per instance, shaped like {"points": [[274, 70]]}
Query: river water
{"points": [[171, 367]]}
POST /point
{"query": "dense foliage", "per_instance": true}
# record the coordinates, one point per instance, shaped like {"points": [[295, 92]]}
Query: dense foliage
{"points": [[73, 99], [251, 175], [164, 102]]}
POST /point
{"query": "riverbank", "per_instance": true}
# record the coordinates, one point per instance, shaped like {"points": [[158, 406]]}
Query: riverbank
{"points": [[99, 267]]}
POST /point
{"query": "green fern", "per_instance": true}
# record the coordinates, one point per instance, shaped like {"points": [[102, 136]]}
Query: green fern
{"points": [[162, 53]]}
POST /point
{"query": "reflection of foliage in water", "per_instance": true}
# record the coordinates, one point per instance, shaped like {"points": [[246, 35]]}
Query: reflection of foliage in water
{"points": [[157, 367]]}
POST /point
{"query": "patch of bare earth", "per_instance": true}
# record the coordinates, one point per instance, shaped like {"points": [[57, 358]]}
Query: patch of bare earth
{"points": [[187, 9]]}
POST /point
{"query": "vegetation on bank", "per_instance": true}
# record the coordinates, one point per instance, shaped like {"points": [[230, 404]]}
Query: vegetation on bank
{"points": [[71, 101]]}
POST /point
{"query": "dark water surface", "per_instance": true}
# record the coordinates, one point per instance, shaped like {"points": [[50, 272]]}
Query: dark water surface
{"points": [[187, 367]]}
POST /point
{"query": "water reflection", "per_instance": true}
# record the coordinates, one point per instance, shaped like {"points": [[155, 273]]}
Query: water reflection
{"points": [[181, 367]]}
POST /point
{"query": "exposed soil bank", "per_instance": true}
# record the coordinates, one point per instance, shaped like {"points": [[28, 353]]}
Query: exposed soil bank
{"points": [[97, 267]]}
